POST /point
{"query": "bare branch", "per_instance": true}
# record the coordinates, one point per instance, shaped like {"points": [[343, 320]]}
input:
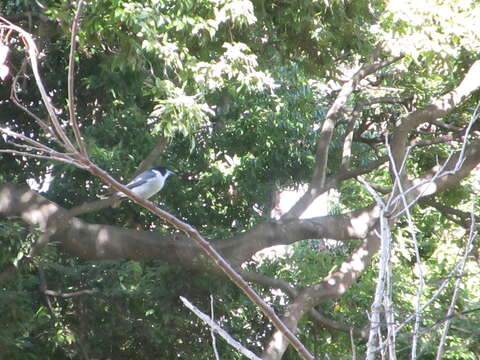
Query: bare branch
{"points": [[71, 294], [44, 157], [212, 333], [451, 166], [215, 327], [446, 126], [291, 292], [354, 115], [412, 230], [26, 147], [473, 119], [451, 309], [328, 126], [13, 95], [417, 142], [71, 94], [376, 307], [434, 297], [312, 193], [348, 140], [34, 143], [32, 51]]}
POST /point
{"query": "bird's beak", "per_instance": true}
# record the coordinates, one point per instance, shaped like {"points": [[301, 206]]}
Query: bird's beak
{"points": [[172, 172]]}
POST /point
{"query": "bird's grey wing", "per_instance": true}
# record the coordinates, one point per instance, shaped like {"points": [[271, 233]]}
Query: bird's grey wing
{"points": [[140, 180], [135, 183]]}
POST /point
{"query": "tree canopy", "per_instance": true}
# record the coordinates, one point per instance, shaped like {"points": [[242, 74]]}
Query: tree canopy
{"points": [[365, 109]]}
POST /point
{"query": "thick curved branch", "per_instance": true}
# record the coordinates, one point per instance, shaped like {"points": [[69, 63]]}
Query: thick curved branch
{"points": [[434, 111], [328, 126], [326, 133], [96, 241], [293, 292], [42, 214], [349, 271], [332, 181], [332, 286]]}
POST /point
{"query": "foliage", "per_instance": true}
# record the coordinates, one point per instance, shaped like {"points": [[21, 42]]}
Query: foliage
{"points": [[239, 88]]}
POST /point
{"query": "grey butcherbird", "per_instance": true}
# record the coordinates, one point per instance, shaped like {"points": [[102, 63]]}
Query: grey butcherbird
{"points": [[149, 182]]}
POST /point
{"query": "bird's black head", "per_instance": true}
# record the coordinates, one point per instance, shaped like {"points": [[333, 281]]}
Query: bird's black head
{"points": [[163, 170]]}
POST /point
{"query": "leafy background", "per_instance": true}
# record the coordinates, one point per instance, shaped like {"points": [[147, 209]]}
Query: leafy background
{"points": [[238, 89]]}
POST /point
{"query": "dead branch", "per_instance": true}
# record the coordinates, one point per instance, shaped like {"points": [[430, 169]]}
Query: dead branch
{"points": [[71, 95], [216, 328], [31, 48], [451, 309]]}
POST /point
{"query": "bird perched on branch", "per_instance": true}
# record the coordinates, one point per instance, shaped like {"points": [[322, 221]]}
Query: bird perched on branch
{"points": [[148, 183]]}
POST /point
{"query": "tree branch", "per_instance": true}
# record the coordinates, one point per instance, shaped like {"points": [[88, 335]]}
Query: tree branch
{"points": [[464, 218], [215, 327], [32, 52], [332, 181], [71, 70], [332, 286], [317, 184], [292, 293], [326, 133], [14, 97], [434, 111]]}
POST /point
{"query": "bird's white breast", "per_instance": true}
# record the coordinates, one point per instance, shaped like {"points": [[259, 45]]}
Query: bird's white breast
{"points": [[151, 187]]}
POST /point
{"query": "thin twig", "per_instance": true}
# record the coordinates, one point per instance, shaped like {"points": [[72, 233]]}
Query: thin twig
{"points": [[31, 141], [434, 297], [45, 157], [72, 294], [411, 229], [13, 95], [215, 327], [71, 93], [212, 332], [451, 309], [26, 147], [352, 343], [440, 172], [32, 52]]}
